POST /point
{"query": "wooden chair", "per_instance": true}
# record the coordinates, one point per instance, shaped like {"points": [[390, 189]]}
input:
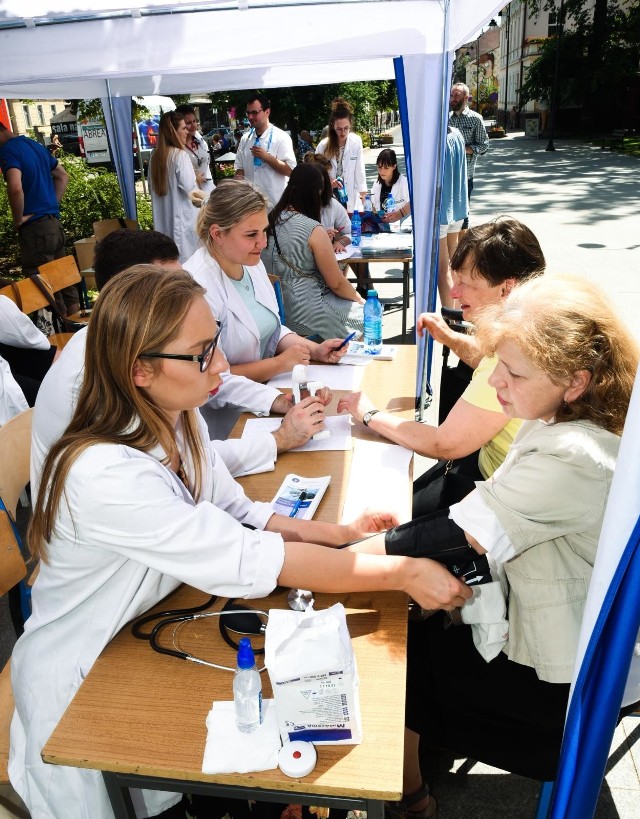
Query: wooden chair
{"points": [[29, 298], [66, 269], [107, 226], [15, 449]]}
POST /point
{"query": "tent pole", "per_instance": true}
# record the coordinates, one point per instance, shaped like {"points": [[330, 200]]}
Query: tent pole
{"points": [[427, 358]]}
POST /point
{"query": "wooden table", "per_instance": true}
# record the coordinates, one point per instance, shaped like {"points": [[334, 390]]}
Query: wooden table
{"points": [[139, 717], [402, 256]]}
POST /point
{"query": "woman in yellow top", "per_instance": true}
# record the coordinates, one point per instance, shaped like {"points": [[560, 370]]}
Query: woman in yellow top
{"points": [[488, 263]]}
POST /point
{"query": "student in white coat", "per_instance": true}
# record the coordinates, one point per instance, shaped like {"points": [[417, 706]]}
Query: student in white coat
{"points": [[390, 181], [61, 386], [265, 155], [173, 186], [344, 149], [232, 227], [133, 502], [26, 350], [197, 149]]}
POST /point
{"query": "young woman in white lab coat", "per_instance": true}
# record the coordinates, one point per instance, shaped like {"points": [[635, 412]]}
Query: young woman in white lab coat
{"points": [[133, 501], [232, 228], [344, 149], [173, 185]]}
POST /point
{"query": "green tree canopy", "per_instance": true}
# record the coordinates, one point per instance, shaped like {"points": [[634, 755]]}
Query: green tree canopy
{"points": [[309, 106], [598, 57]]}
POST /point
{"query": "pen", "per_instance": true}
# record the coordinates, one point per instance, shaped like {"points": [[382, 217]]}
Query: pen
{"points": [[296, 506], [349, 338]]}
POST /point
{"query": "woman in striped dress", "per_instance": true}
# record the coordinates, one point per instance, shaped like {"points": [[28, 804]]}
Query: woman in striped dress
{"points": [[318, 299]]}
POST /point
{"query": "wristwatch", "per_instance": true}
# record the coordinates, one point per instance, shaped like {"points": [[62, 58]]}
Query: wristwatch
{"points": [[366, 418]]}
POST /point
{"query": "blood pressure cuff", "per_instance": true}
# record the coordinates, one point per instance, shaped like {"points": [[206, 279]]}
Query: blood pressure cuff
{"points": [[437, 537]]}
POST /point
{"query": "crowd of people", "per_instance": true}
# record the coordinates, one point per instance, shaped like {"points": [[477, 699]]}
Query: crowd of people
{"points": [[133, 476]]}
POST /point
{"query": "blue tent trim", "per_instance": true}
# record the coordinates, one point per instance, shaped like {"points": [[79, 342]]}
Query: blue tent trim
{"points": [[598, 692]]}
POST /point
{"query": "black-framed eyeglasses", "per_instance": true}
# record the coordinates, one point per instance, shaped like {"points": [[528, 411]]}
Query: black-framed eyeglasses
{"points": [[204, 359], [254, 113]]}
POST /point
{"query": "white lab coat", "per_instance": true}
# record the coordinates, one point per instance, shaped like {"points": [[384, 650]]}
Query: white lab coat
{"points": [[58, 396], [12, 400], [399, 191], [353, 173], [174, 214], [126, 535], [201, 162], [240, 336], [17, 329], [278, 143]]}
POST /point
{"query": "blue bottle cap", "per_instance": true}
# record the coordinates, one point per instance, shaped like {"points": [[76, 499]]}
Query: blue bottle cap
{"points": [[372, 293], [245, 654]]}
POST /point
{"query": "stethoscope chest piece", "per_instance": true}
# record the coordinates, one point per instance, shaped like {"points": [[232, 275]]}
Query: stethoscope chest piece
{"points": [[300, 599]]}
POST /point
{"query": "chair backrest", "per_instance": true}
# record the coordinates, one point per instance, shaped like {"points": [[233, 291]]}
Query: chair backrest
{"points": [[277, 287], [15, 450], [106, 226], [55, 275]]}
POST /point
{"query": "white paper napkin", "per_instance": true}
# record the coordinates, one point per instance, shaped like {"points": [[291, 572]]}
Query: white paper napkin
{"points": [[228, 750]]}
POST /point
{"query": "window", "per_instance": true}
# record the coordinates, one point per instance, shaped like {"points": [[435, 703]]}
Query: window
{"points": [[27, 115], [54, 110], [41, 114], [552, 24]]}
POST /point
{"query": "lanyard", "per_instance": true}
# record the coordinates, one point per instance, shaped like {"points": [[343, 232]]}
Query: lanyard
{"points": [[258, 138]]}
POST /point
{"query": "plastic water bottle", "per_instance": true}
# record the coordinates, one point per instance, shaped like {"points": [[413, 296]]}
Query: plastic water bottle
{"points": [[247, 690], [343, 196], [372, 324], [256, 159], [368, 205], [390, 204], [356, 228]]}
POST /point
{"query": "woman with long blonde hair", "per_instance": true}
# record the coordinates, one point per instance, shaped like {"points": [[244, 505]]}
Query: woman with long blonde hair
{"points": [[133, 501], [175, 195]]}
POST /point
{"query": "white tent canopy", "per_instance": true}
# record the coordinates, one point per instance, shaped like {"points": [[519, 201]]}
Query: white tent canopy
{"points": [[98, 48]]}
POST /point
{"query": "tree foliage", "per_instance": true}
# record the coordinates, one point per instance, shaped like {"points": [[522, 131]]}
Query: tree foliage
{"points": [[309, 106], [91, 195], [598, 57]]}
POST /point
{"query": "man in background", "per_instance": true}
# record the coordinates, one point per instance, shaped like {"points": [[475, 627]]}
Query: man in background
{"points": [[36, 183], [471, 126], [265, 155]]}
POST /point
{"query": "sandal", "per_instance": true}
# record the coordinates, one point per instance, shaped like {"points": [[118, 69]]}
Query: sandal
{"points": [[402, 809]]}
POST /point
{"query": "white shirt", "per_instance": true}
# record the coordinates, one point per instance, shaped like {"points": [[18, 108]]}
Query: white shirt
{"points": [[174, 214], [12, 400], [353, 172], [58, 396], [126, 535], [17, 329], [278, 144], [335, 216]]}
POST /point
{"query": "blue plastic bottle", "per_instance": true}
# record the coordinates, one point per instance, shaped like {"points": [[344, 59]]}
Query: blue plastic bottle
{"points": [[390, 204], [356, 228], [372, 324], [256, 159], [247, 689], [343, 196]]}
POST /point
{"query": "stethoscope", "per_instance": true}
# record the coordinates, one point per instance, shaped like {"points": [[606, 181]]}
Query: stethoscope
{"points": [[247, 621]]}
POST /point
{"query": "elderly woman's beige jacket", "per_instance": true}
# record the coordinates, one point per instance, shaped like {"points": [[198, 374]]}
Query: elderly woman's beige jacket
{"points": [[550, 496]]}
